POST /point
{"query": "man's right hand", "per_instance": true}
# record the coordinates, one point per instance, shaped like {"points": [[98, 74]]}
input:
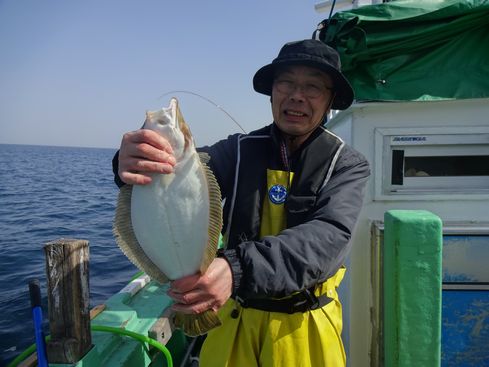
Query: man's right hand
{"points": [[142, 153]]}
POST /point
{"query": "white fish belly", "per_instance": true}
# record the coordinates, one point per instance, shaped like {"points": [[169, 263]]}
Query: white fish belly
{"points": [[170, 218]]}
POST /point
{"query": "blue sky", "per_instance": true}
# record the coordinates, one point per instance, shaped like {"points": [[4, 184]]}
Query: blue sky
{"points": [[81, 73]]}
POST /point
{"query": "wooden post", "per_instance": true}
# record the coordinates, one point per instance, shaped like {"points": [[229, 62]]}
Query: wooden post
{"points": [[68, 300]]}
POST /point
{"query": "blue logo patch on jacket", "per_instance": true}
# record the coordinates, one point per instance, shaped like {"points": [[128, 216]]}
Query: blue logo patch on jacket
{"points": [[277, 194]]}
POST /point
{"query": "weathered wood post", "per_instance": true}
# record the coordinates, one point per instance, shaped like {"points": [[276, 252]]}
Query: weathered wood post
{"points": [[68, 300]]}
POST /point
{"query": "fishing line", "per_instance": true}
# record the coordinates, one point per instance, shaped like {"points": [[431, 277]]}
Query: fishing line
{"points": [[205, 99]]}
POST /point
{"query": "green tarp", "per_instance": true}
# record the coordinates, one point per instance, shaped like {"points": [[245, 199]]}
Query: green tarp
{"points": [[412, 50]]}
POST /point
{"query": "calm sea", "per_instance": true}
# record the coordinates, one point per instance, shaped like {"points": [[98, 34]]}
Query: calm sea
{"points": [[47, 193]]}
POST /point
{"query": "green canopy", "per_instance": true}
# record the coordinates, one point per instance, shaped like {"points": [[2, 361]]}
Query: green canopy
{"points": [[412, 50]]}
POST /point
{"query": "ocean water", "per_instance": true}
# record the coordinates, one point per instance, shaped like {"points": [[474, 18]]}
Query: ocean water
{"points": [[48, 193]]}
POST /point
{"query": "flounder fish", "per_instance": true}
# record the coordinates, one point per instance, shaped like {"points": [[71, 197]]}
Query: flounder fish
{"points": [[170, 228]]}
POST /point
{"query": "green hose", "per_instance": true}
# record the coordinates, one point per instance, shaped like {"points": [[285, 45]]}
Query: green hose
{"points": [[142, 338], [26, 353]]}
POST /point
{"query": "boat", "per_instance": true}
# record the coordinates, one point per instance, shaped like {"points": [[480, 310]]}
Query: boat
{"points": [[132, 328], [420, 70]]}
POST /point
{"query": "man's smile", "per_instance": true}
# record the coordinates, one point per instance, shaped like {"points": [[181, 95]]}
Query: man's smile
{"points": [[294, 113]]}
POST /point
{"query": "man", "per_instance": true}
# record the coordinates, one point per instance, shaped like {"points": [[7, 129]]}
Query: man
{"points": [[292, 194]]}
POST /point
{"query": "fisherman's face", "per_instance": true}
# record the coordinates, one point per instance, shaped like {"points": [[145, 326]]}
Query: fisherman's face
{"points": [[301, 95]]}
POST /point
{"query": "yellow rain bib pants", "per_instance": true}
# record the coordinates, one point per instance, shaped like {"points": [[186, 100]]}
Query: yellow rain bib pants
{"points": [[256, 338]]}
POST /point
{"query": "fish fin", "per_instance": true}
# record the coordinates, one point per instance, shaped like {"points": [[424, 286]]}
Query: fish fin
{"points": [[126, 239], [204, 158], [215, 217], [197, 324]]}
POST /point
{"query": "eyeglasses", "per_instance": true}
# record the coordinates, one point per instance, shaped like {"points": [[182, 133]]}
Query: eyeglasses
{"points": [[310, 90]]}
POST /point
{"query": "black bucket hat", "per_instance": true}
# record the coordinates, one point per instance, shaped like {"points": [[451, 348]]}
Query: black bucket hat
{"points": [[313, 53]]}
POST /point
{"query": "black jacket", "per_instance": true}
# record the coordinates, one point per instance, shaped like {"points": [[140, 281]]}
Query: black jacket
{"points": [[322, 207]]}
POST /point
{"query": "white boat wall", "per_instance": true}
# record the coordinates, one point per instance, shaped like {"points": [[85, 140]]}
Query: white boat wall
{"points": [[420, 71]]}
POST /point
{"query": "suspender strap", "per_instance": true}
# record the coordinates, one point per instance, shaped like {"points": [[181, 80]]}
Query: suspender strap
{"points": [[300, 302]]}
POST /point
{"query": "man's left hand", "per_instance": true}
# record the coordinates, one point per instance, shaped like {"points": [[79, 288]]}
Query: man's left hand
{"points": [[201, 292]]}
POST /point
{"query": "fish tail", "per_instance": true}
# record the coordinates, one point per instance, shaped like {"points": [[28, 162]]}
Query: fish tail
{"points": [[196, 324]]}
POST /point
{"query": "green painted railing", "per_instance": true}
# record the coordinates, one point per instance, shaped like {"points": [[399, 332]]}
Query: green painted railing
{"points": [[412, 288]]}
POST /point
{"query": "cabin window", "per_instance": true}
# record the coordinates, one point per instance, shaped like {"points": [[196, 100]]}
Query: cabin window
{"points": [[420, 163], [477, 165]]}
